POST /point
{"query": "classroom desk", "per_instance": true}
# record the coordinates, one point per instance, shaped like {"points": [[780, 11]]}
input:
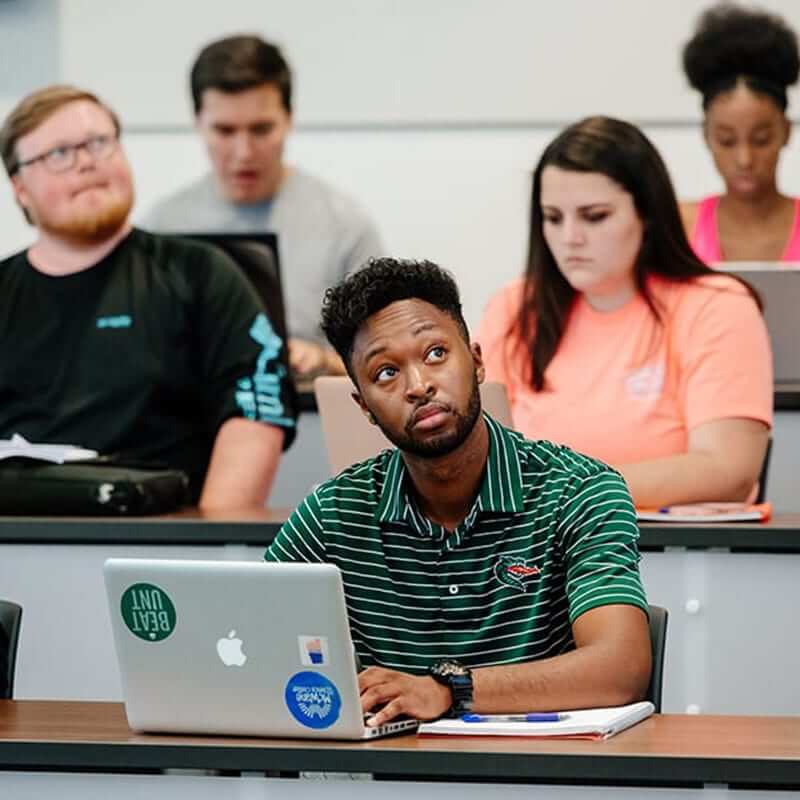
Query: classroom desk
{"points": [[732, 592], [668, 756]]}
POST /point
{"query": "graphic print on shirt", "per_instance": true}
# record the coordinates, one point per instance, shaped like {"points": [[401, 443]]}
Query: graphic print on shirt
{"points": [[646, 382], [118, 321], [518, 573], [259, 397]]}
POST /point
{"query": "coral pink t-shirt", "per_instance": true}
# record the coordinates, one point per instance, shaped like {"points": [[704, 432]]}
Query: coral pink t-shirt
{"points": [[705, 236], [623, 388]]}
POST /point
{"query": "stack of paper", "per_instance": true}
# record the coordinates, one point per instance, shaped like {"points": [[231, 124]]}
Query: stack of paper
{"points": [[707, 512], [19, 447], [595, 723]]}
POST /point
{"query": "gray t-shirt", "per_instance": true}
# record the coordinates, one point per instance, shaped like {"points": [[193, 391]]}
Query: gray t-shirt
{"points": [[322, 235]]}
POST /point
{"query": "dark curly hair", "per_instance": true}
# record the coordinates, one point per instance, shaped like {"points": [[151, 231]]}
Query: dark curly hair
{"points": [[380, 282], [732, 42]]}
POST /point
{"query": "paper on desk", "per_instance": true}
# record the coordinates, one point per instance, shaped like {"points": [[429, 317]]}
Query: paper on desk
{"points": [[18, 446], [707, 512], [595, 723]]}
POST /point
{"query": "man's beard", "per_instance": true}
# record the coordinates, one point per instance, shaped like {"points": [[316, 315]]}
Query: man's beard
{"points": [[438, 446], [92, 227]]}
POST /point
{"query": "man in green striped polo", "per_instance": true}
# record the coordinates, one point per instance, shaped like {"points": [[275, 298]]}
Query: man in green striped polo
{"points": [[482, 571]]}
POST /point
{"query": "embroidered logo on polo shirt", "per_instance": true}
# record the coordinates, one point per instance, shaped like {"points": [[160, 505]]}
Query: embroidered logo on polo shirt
{"points": [[516, 572]]}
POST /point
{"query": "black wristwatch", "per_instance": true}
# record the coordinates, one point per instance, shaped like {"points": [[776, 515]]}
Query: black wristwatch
{"points": [[458, 679]]}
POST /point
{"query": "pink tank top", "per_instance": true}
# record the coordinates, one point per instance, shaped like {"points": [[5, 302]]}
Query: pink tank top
{"points": [[705, 239]]}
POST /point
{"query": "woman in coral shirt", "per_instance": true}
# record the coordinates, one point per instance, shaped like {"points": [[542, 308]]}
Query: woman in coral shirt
{"points": [[619, 341], [742, 61]]}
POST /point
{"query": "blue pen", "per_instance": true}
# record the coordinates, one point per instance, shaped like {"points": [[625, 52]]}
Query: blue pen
{"points": [[533, 717]]}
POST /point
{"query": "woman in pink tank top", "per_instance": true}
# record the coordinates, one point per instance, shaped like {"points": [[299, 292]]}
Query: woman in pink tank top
{"points": [[743, 81]]}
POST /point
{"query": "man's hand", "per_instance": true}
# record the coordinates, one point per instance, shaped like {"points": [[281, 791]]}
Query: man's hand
{"points": [[418, 696], [309, 359]]}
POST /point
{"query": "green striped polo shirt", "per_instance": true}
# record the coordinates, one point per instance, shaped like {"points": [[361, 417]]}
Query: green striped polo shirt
{"points": [[551, 534]]}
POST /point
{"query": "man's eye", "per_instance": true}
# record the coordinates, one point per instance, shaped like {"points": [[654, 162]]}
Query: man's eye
{"points": [[436, 354], [384, 374], [59, 153]]}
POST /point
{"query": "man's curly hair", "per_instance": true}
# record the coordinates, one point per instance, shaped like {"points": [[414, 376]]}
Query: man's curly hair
{"points": [[380, 282]]}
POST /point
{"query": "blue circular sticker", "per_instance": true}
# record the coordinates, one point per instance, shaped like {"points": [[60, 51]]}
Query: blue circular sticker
{"points": [[313, 700]]}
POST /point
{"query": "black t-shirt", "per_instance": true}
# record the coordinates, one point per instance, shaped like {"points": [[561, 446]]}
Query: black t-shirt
{"points": [[145, 354]]}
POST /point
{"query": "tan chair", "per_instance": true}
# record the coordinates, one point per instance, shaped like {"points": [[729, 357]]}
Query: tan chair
{"points": [[350, 438]]}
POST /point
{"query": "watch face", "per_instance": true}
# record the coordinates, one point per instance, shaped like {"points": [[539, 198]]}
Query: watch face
{"points": [[444, 668]]}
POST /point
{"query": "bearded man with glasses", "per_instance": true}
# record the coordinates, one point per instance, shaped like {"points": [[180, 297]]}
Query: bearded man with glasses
{"points": [[151, 347]]}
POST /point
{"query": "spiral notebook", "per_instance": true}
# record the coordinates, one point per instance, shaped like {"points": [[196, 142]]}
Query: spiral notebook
{"points": [[594, 723]]}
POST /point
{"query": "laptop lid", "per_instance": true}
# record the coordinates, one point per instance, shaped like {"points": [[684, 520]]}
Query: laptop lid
{"points": [[256, 254], [779, 287], [243, 648], [350, 438]]}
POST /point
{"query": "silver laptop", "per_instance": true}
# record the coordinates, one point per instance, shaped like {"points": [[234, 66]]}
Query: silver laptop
{"points": [[242, 648], [779, 287]]}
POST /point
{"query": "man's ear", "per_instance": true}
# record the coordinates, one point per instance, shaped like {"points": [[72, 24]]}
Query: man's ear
{"points": [[21, 196], [19, 190], [477, 360], [359, 401]]}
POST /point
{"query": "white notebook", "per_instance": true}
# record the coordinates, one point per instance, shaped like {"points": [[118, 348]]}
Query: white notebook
{"points": [[594, 723]]}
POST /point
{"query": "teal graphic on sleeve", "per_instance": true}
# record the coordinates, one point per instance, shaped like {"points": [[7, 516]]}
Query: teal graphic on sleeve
{"points": [[259, 396], [120, 321], [148, 612]]}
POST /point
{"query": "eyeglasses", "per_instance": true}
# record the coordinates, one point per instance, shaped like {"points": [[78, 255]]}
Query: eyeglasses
{"points": [[64, 157]]}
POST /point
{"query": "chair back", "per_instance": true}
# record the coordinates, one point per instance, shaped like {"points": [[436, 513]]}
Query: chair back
{"points": [[658, 643], [761, 496], [10, 619], [350, 438]]}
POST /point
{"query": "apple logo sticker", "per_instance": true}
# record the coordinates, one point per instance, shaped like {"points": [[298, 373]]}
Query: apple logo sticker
{"points": [[229, 649]]}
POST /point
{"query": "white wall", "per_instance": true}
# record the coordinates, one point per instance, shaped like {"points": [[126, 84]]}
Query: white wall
{"points": [[431, 114]]}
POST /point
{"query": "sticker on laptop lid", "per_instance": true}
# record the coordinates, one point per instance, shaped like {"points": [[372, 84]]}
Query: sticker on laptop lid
{"points": [[148, 612], [312, 700], [313, 651]]}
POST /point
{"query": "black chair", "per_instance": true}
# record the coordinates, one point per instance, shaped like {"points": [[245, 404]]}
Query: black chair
{"points": [[762, 478], [658, 641], [10, 619]]}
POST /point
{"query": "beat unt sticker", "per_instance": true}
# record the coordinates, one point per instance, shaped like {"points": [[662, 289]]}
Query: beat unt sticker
{"points": [[148, 612], [313, 651], [313, 700]]}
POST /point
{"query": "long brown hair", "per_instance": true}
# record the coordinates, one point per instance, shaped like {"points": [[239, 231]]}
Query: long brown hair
{"points": [[624, 154]]}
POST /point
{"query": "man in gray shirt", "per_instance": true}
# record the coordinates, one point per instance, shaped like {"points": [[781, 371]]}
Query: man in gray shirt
{"points": [[241, 88]]}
